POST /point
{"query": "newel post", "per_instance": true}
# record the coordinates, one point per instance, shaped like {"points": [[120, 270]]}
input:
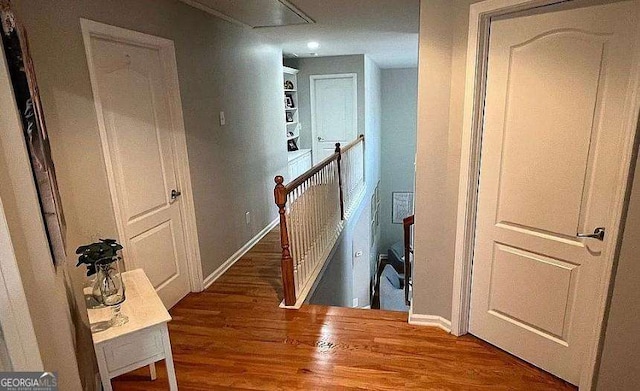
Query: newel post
{"points": [[286, 263], [339, 160]]}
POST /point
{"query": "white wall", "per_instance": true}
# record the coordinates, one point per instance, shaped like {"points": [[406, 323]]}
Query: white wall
{"points": [[398, 145]]}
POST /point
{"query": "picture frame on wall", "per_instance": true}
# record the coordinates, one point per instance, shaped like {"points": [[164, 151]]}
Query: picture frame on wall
{"points": [[288, 101], [27, 96], [289, 117], [292, 145], [401, 206]]}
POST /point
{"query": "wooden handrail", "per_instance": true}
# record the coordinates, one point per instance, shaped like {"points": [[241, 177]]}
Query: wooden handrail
{"points": [[315, 169], [352, 144], [291, 186], [407, 222]]}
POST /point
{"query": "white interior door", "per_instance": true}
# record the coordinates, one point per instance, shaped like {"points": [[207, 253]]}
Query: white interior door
{"points": [[553, 131], [334, 112], [131, 91]]}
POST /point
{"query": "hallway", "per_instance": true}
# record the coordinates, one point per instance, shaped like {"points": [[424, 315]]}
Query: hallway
{"points": [[234, 336]]}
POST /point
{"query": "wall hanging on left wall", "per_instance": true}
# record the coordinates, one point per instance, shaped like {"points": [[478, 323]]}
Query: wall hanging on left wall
{"points": [[25, 87]]}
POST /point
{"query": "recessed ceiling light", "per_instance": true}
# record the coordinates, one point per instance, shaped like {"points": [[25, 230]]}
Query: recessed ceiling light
{"points": [[313, 45]]}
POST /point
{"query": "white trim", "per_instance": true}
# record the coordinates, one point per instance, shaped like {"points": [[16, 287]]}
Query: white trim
{"points": [[198, 5], [290, 71], [202, 7], [211, 278], [429, 320], [166, 50], [296, 11], [312, 101], [477, 51]]}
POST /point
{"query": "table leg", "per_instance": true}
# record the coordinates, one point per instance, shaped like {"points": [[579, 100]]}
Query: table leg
{"points": [[152, 371], [168, 358], [104, 373]]}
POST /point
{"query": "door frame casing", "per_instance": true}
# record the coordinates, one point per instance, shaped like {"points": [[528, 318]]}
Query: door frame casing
{"points": [[475, 88], [312, 101], [166, 50]]}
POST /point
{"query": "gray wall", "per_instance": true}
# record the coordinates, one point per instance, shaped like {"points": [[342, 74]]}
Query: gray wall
{"points": [[325, 66], [620, 362], [443, 41], [444, 26], [398, 147], [373, 129], [338, 282], [338, 285], [44, 307], [220, 67], [372, 123]]}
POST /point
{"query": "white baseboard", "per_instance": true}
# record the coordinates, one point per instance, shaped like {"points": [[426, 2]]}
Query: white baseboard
{"points": [[238, 254], [429, 320]]}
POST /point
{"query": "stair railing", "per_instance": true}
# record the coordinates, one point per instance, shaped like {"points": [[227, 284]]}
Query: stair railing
{"points": [[312, 208], [407, 224]]}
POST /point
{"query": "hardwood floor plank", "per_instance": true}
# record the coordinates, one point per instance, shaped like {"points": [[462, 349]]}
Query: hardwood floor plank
{"points": [[234, 336]]}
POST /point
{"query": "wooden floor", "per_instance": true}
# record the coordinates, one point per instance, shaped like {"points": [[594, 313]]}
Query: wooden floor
{"points": [[234, 337]]}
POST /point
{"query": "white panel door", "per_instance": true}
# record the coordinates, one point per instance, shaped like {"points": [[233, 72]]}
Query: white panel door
{"points": [[334, 112], [132, 92], [552, 137]]}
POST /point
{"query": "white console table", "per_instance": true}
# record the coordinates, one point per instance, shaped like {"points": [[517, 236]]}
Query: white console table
{"points": [[142, 341]]}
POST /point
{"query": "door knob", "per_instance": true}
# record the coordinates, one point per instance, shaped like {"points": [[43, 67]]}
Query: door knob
{"points": [[175, 194], [320, 138], [598, 233]]}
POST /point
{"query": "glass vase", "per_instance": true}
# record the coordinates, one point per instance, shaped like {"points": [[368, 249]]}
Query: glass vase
{"points": [[112, 289]]}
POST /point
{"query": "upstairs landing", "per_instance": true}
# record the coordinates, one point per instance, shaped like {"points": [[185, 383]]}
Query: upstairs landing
{"points": [[234, 336]]}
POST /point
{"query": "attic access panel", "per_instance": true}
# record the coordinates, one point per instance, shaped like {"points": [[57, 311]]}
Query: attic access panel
{"points": [[257, 13]]}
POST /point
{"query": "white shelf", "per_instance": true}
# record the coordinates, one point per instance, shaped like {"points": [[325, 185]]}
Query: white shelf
{"points": [[290, 76], [296, 154]]}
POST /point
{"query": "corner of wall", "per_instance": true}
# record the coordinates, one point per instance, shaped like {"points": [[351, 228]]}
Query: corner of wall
{"points": [[429, 320]]}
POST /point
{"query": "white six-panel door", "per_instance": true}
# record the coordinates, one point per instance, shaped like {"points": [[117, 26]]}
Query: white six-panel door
{"points": [[556, 89], [334, 112], [130, 85]]}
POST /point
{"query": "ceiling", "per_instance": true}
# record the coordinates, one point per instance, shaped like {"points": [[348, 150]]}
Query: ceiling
{"points": [[386, 30]]}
